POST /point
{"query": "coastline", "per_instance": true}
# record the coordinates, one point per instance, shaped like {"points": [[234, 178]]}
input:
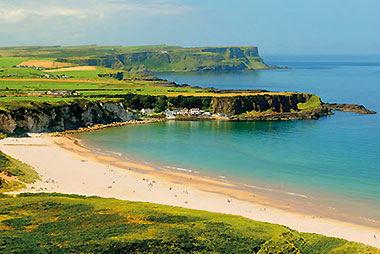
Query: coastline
{"points": [[67, 166]]}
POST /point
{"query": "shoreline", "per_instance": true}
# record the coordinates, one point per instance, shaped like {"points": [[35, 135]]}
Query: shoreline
{"points": [[66, 166]]}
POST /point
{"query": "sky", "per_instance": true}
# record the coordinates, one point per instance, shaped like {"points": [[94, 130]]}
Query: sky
{"points": [[275, 26]]}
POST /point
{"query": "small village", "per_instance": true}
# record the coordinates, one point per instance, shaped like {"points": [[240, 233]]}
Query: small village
{"points": [[181, 113]]}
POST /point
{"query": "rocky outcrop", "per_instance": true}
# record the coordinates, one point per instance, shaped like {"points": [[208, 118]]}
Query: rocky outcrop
{"points": [[360, 109], [270, 107], [46, 117]]}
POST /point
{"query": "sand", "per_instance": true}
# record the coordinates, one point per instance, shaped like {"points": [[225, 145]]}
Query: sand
{"points": [[78, 68], [44, 64], [67, 167]]}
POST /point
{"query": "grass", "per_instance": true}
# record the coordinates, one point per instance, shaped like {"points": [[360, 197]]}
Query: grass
{"points": [[20, 72], [76, 51], [58, 223], [93, 87], [312, 103], [8, 62], [11, 61], [85, 74], [256, 113], [14, 168]]}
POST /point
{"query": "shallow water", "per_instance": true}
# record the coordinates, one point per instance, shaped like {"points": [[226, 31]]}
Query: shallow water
{"points": [[335, 160]]}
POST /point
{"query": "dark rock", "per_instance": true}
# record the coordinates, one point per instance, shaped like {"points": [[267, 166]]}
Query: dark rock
{"points": [[360, 109]]}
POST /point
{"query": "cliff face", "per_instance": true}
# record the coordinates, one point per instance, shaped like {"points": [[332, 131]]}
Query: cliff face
{"points": [[181, 60], [271, 107], [47, 117]]}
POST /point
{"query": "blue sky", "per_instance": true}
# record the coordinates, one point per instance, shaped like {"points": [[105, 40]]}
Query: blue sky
{"points": [[276, 26]]}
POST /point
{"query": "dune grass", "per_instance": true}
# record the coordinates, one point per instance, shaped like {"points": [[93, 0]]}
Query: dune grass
{"points": [[58, 223], [14, 168]]}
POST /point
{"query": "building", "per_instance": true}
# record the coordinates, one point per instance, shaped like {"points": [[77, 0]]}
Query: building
{"points": [[195, 111], [62, 92], [146, 111], [64, 76]]}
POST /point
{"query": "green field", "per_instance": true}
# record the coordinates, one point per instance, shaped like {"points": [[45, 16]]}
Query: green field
{"points": [[8, 62], [85, 74], [57, 223]]}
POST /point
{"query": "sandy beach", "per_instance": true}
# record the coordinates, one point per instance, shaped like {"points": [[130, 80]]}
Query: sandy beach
{"points": [[67, 167]]}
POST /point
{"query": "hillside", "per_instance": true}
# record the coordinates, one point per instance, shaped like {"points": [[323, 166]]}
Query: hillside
{"points": [[57, 223], [159, 58], [14, 174]]}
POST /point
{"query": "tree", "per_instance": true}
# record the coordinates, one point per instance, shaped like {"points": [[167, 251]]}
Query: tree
{"points": [[161, 104]]}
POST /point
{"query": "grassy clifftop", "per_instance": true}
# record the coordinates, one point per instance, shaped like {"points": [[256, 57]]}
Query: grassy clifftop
{"points": [[57, 223], [180, 60], [160, 58]]}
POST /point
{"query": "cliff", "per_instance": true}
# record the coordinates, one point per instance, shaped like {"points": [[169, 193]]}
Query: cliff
{"points": [[271, 106], [179, 60], [46, 117]]}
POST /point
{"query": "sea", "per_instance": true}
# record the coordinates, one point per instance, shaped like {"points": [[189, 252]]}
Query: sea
{"points": [[332, 162]]}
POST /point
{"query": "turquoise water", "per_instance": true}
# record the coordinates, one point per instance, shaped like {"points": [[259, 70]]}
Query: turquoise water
{"points": [[335, 160]]}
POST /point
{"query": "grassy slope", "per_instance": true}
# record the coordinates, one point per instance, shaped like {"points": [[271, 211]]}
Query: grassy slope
{"points": [[56, 223], [312, 103], [14, 168]]}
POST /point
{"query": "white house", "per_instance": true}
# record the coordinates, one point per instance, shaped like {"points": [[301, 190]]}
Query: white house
{"points": [[195, 111], [147, 111]]}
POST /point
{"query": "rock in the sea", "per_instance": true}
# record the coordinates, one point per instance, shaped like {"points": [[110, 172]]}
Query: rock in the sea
{"points": [[360, 109]]}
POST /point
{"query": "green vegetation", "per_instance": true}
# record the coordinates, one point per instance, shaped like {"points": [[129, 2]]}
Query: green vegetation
{"points": [[20, 73], [312, 103], [179, 59], [85, 74], [256, 113], [58, 223], [148, 58], [13, 173], [132, 101], [8, 62], [75, 51]]}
